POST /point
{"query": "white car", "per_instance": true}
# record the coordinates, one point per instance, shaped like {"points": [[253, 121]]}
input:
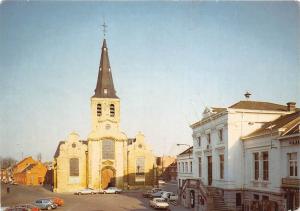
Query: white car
{"points": [[159, 203], [87, 191], [169, 196], [112, 190], [161, 182]]}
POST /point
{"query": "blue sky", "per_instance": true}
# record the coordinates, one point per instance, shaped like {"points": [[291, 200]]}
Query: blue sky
{"points": [[169, 60]]}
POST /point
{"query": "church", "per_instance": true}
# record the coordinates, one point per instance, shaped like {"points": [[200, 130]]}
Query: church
{"points": [[107, 157]]}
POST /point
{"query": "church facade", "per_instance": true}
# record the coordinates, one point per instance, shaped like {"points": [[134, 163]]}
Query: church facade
{"points": [[107, 157]]}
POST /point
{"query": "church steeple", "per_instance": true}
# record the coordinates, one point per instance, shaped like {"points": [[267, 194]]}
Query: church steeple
{"points": [[105, 85]]}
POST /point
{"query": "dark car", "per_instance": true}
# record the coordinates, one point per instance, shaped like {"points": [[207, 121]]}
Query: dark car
{"points": [[148, 193], [45, 204], [157, 194], [28, 207], [58, 201], [16, 209]]}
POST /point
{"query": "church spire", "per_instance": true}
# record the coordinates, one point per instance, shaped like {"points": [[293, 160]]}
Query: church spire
{"points": [[105, 85]]}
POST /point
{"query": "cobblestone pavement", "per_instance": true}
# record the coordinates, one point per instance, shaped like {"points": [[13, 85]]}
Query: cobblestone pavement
{"points": [[132, 200]]}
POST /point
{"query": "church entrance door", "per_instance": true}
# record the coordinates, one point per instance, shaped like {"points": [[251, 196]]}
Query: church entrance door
{"points": [[108, 175]]}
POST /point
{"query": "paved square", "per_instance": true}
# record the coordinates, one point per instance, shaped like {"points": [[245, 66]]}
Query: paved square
{"points": [[100, 202]]}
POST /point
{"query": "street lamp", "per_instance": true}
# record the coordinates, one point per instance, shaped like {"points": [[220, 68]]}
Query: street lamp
{"points": [[184, 145]]}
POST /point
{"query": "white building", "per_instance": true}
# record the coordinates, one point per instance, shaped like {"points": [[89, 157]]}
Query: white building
{"points": [[222, 155], [185, 173], [272, 154]]}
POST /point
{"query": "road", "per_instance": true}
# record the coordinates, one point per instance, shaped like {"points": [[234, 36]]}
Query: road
{"points": [[100, 202]]}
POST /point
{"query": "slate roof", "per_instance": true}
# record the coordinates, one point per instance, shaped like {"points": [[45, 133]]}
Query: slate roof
{"points": [[29, 167], [187, 151], [105, 80], [288, 123], [218, 110], [57, 152], [257, 105], [131, 141], [294, 130]]}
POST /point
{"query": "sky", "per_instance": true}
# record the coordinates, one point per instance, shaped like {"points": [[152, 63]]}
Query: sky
{"points": [[169, 61]]}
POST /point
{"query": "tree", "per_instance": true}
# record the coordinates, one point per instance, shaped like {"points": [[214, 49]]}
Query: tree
{"points": [[7, 162]]}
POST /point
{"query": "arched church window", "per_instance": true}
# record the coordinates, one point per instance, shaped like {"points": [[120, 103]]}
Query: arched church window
{"points": [[99, 110], [74, 167], [108, 149], [112, 110]]}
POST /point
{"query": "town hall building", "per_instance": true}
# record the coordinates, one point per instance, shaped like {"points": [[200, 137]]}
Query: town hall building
{"points": [[107, 157]]}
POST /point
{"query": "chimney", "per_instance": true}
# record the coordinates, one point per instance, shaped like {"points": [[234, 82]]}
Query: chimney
{"points": [[291, 106]]}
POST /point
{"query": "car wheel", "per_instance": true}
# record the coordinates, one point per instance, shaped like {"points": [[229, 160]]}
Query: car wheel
{"points": [[49, 208]]}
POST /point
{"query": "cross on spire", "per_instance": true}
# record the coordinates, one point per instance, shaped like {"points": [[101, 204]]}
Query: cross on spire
{"points": [[104, 28]]}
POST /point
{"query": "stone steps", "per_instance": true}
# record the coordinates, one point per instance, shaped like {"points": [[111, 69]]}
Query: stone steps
{"points": [[218, 203]]}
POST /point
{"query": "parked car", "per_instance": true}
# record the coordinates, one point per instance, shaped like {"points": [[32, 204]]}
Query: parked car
{"points": [[112, 190], [159, 203], [15, 209], [45, 204], [148, 193], [157, 194], [58, 201], [156, 190], [169, 196], [87, 191], [161, 182], [28, 207]]}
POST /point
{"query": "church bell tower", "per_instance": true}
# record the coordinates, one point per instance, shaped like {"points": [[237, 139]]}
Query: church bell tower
{"points": [[105, 104]]}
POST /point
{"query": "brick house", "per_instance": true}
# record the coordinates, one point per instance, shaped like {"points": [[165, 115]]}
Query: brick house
{"points": [[29, 172]]}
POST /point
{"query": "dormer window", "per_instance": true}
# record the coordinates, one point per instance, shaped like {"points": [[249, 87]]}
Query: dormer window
{"points": [[112, 110], [99, 110]]}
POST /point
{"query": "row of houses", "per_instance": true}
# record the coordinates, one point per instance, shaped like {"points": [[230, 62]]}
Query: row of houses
{"points": [[244, 157]]}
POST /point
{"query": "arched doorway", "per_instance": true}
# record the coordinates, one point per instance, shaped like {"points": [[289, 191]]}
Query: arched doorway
{"points": [[108, 175], [192, 198]]}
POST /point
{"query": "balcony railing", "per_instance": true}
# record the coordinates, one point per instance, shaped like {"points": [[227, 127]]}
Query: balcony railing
{"points": [[290, 182]]}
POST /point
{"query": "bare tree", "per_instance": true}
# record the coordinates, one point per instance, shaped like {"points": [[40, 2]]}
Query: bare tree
{"points": [[39, 156], [7, 162]]}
